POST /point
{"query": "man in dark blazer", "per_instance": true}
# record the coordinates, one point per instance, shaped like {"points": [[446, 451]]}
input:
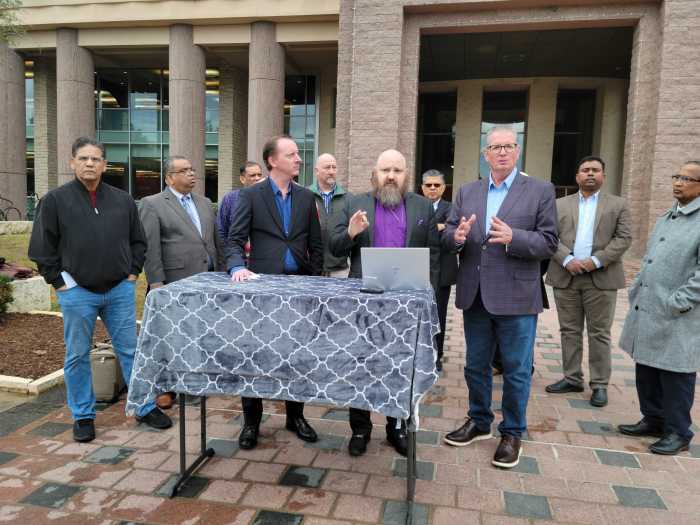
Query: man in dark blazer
{"points": [[387, 216], [433, 187], [181, 233], [502, 226], [595, 230], [281, 221]]}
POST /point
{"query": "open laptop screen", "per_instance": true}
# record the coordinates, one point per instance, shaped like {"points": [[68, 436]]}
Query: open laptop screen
{"points": [[396, 269]]}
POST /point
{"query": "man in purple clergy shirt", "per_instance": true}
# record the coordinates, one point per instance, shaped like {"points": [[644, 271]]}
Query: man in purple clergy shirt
{"points": [[387, 216]]}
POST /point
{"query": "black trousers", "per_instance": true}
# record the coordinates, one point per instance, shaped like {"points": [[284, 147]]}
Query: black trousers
{"points": [[253, 410], [665, 398], [361, 422], [442, 296]]}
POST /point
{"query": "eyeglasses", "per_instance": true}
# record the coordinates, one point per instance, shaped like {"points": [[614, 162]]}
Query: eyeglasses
{"points": [[497, 148], [432, 184], [683, 179], [83, 159], [184, 171]]}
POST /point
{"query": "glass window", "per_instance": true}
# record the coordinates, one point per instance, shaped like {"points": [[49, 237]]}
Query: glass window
{"points": [[300, 120], [437, 114], [503, 108]]}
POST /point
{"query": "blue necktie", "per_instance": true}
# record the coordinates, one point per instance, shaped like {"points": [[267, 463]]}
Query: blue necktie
{"points": [[189, 208]]}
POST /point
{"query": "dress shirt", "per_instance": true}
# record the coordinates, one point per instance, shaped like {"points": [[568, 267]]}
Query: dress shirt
{"points": [[327, 198], [496, 196], [583, 245], [389, 226], [284, 207], [435, 204]]}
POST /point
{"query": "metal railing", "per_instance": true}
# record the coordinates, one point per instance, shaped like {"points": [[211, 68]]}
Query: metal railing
{"points": [[8, 211]]}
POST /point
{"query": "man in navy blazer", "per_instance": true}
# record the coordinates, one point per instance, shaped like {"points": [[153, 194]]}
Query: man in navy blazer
{"points": [[502, 226]]}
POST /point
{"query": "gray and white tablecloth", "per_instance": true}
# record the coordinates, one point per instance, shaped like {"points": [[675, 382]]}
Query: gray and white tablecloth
{"points": [[299, 338]]}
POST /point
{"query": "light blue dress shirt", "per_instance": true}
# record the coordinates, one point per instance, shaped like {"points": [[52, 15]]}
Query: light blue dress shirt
{"points": [[187, 203], [583, 245], [496, 196]]}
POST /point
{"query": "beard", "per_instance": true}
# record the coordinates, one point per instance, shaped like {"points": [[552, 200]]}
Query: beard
{"points": [[389, 194]]}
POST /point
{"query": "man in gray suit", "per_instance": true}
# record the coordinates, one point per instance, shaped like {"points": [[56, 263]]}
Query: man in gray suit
{"points": [[502, 226], [180, 229], [387, 216]]}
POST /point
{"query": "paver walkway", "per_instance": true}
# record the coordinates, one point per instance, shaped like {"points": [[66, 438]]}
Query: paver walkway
{"points": [[575, 467]]}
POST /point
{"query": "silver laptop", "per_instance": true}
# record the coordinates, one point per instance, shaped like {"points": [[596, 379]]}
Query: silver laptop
{"points": [[395, 269]]}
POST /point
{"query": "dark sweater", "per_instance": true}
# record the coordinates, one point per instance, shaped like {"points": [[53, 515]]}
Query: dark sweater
{"points": [[98, 246]]}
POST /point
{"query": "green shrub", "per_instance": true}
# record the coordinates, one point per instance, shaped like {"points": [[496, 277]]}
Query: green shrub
{"points": [[5, 294]]}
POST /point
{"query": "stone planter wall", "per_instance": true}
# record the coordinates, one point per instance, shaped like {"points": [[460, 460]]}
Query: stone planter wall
{"points": [[30, 295], [15, 227]]}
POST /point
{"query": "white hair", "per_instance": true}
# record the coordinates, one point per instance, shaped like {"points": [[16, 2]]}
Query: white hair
{"points": [[502, 128]]}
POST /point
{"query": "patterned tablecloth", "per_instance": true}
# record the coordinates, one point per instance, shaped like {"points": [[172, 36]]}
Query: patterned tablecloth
{"points": [[300, 338]]}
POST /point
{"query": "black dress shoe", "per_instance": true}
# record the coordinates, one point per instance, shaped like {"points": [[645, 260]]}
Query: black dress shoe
{"points": [[156, 419], [640, 429], [358, 444], [562, 387], [467, 433], [302, 429], [248, 437], [599, 397], [670, 445], [508, 452], [84, 430], [398, 438]]}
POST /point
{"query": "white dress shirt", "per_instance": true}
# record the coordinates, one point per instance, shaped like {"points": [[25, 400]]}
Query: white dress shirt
{"points": [[583, 246]]}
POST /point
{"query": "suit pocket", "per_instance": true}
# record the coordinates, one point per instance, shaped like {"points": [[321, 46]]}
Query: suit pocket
{"points": [[174, 264]]}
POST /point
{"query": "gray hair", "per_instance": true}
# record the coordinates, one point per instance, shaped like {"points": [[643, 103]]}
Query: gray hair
{"points": [[171, 160], [433, 173], [501, 128]]}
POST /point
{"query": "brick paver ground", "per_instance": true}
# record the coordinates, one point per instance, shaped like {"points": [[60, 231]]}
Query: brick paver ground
{"points": [[575, 467]]}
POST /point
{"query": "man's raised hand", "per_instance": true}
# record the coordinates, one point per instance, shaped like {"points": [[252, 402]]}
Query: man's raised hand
{"points": [[358, 223], [463, 229]]}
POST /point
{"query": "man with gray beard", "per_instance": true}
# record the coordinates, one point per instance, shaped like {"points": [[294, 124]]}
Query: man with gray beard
{"points": [[388, 217]]}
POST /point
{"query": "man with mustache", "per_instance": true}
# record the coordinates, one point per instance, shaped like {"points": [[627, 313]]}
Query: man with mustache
{"points": [[586, 272], [387, 216]]}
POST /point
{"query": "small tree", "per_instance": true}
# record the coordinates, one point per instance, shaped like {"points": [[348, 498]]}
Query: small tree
{"points": [[5, 295], [9, 22]]}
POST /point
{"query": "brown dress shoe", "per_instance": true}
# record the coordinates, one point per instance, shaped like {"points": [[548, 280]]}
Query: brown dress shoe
{"points": [[466, 434], [165, 401], [508, 452]]}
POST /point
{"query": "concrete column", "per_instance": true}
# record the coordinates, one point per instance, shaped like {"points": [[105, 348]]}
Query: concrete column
{"points": [[75, 95], [233, 126], [13, 144], [187, 89], [470, 96], [613, 101], [326, 133], [45, 162], [265, 88], [539, 142]]}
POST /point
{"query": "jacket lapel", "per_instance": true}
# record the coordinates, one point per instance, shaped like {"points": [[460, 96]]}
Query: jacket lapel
{"points": [[175, 204], [599, 211], [201, 206], [269, 198], [368, 206], [294, 195], [411, 217], [515, 193], [481, 207], [574, 211]]}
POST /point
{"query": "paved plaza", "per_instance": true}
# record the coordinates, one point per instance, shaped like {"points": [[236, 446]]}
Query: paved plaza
{"points": [[575, 467]]}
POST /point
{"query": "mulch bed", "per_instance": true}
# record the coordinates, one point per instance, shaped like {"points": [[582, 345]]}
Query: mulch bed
{"points": [[31, 345]]}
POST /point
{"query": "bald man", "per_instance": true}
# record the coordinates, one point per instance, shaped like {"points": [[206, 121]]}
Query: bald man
{"points": [[388, 216], [330, 199]]}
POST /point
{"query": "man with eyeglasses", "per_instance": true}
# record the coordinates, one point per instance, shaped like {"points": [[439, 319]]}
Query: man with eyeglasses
{"points": [[180, 229], [502, 226], [433, 188], [662, 329], [595, 230], [88, 243]]}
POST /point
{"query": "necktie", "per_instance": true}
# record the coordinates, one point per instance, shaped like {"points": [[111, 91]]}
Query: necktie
{"points": [[189, 208]]}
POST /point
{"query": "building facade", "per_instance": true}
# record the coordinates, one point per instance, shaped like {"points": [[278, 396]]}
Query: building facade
{"points": [[213, 79]]}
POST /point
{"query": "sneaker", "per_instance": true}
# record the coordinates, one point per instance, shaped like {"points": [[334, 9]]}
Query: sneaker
{"points": [[466, 434], [84, 430], [508, 452]]}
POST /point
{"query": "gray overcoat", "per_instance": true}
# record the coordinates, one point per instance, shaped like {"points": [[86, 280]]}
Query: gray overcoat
{"points": [[662, 328]]}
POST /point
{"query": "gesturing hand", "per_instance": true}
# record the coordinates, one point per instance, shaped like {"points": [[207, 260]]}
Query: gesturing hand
{"points": [[463, 229], [358, 223], [500, 232]]}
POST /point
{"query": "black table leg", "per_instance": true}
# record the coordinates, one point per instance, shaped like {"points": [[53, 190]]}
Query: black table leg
{"points": [[205, 453], [410, 475]]}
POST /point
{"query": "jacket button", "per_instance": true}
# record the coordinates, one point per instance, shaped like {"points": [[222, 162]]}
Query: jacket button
{"points": [[662, 239], [649, 261], [636, 307], [478, 267]]}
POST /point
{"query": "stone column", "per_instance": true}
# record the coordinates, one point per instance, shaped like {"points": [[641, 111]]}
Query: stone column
{"points": [[265, 88], [613, 101], [187, 88], [45, 163], [539, 141], [75, 95], [13, 144], [233, 126], [470, 94]]}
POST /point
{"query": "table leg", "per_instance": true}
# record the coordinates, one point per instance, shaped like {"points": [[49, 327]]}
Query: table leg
{"points": [[410, 476], [205, 453]]}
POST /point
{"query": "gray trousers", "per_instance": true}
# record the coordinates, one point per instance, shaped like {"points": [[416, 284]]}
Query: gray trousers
{"points": [[582, 301]]}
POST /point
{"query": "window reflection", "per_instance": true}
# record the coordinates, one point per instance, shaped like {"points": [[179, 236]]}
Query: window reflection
{"points": [[300, 120]]}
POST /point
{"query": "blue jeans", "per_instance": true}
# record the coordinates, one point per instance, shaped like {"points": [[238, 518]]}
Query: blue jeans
{"points": [[80, 308], [515, 335]]}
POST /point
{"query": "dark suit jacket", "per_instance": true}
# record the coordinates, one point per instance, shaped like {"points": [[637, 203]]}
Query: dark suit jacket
{"points": [[612, 235], [448, 260], [258, 219], [175, 248], [420, 225], [509, 281]]}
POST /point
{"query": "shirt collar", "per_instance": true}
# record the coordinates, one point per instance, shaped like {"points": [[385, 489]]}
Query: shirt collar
{"points": [[178, 194], [507, 182], [592, 198], [436, 204], [275, 188], [330, 192]]}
